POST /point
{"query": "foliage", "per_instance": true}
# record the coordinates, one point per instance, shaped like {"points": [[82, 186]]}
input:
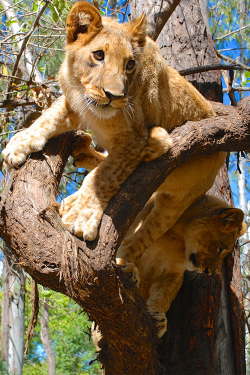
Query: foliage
{"points": [[226, 17], [69, 332]]}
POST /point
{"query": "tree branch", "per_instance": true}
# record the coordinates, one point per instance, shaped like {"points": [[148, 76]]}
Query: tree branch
{"points": [[207, 68], [31, 227]]}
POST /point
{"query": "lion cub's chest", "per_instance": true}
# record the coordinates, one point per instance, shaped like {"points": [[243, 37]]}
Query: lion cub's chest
{"points": [[102, 131]]}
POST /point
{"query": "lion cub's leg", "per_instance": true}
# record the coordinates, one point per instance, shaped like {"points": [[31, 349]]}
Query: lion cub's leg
{"points": [[162, 293], [164, 213], [55, 120], [185, 185], [82, 212], [84, 155], [128, 261]]}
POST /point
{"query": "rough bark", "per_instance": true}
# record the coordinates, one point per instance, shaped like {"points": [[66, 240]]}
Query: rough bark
{"points": [[5, 315], [158, 13], [31, 226], [185, 42], [210, 312], [62, 262]]}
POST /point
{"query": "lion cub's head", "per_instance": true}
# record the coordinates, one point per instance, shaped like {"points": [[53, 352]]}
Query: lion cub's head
{"points": [[210, 233], [101, 59]]}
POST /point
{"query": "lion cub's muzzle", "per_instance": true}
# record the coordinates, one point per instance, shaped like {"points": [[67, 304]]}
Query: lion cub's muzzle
{"points": [[119, 103], [115, 100], [104, 98]]}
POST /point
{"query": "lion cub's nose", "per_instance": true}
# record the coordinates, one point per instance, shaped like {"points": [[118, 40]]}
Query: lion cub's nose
{"points": [[113, 96]]}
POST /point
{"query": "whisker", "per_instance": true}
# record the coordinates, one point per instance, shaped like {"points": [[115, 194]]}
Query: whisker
{"points": [[131, 110], [124, 111], [128, 113]]}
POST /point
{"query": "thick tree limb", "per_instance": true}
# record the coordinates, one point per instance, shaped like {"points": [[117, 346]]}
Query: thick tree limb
{"points": [[31, 227]]}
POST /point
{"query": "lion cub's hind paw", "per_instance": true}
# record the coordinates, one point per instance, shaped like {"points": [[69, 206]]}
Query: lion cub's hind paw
{"points": [[160, 322], [131, 270]]}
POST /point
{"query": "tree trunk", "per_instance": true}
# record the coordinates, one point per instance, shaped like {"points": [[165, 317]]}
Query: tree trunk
{"points": [[214, 339], [13, 314], [45, 337]]}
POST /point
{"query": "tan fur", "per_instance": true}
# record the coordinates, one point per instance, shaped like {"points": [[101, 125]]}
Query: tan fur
{"points": [[207, 229], [87, 157], [119, 103], [84, 155]]}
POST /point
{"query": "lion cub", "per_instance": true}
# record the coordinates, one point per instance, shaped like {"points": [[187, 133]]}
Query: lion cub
{"points": [[199, 240], [116, 83]]}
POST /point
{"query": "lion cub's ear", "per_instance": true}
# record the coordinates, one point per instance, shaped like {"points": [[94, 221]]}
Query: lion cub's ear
{"points": [[138, 29], [231, 219], [83, 22]]}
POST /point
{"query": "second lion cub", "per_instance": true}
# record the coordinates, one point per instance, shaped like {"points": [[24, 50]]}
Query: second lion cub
{"points": [[199, 240]]}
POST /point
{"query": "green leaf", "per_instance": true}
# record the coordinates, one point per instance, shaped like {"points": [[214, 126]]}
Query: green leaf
{"points": [[47, 293]]}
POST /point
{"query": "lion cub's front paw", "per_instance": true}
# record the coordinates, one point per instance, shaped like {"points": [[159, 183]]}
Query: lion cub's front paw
{"points": [[19, 147], [81, 214], [130, 269], [81, 150], [160, 321], [84, 155]]}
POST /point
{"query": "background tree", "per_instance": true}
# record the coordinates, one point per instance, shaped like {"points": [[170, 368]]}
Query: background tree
{"points": [[13, 313]]}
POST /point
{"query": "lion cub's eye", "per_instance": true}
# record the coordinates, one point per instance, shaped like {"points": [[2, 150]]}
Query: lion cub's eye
{"points": [[98, 55], [130, 65]]}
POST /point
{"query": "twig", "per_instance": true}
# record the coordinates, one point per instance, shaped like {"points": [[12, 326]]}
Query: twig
{"points": [[232, 32], [35, 24], [16, 103], [206, 68], [238, 89], [231, 49], [10, 132], [227, 58]]}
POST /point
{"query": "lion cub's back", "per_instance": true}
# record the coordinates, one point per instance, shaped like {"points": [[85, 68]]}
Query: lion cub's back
{"points": [[168, 99]]}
